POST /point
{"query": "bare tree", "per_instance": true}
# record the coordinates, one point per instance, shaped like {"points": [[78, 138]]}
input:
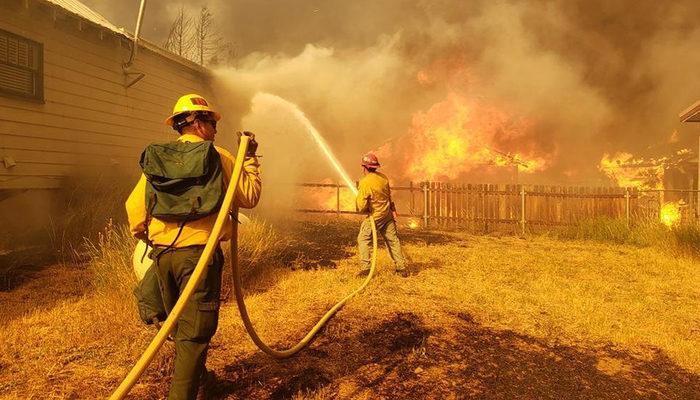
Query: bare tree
{"points": [[180, 37], [197, 39], [209, 46]]}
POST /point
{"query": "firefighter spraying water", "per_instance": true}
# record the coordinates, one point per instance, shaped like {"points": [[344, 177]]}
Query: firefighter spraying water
{"points": [[173, 208], [374, 198], [181, 207]]}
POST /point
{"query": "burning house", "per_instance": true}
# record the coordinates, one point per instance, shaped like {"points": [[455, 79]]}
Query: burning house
{"points": [[464, 139], [692, 114]]}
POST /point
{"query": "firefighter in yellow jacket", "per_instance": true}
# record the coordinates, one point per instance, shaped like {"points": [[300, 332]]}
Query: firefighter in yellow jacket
{"points": [[177, 248], [374, 198]]}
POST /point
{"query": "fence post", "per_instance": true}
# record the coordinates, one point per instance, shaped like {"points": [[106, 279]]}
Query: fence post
{"points": [[522, 209], [413, 199], [337, 198], [425, 204], [627, 206]]}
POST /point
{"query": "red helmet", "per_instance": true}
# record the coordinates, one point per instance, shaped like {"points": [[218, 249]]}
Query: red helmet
{"points": [[369, 160]]}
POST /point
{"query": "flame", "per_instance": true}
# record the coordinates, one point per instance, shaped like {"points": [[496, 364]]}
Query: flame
{"points": [[458, 135], [347, 201], [327, 198], [630, 171], [670, 214], [413, 223]]}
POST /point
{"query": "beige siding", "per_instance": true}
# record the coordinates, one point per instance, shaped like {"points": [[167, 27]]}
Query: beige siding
{"points": [[89, 120]]}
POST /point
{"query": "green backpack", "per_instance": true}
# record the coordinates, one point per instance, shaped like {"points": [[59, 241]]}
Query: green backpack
{"points": [[184, 180]]}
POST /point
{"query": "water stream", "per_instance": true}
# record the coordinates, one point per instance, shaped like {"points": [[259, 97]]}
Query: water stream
{"points": [[315, 134]]}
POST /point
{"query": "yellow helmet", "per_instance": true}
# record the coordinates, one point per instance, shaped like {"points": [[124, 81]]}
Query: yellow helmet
{"points": [[190, 103]]}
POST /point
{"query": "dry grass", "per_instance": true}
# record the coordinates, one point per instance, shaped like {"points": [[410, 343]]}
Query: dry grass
{"points": [[572, 292], [258, 246], [575, 293], [78, 348], [86, 203], [683, 240], [585, 293]]}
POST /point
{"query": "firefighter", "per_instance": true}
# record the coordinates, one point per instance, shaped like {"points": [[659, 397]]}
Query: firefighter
{"points": [[374, 198], [177, 247]]}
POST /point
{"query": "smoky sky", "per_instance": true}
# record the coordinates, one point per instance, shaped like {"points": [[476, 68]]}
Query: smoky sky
{"points": [[594, 76]]}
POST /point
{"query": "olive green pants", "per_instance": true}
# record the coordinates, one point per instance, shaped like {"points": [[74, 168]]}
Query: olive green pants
{"points": [[386, 230], [199, 319]]}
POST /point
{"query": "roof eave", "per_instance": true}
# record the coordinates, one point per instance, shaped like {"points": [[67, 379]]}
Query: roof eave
{"points": [[691, 114], [174, 57], [121, 33]]}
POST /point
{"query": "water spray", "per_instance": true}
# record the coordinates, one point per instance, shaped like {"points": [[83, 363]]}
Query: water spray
{"points": [[298, 114]]}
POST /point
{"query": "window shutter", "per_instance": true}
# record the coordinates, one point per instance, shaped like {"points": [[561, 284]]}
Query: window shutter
{"points": [[21, 66]]}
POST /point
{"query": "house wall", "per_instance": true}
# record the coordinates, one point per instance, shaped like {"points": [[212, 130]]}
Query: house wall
{"points": [[89, 120], [89, 125]]}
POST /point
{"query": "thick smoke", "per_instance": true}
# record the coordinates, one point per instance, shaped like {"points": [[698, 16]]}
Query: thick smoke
{"points": [[355, 99], [592, 77]]}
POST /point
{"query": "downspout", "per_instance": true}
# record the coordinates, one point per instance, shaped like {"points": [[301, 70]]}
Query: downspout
{"points": [[134, 49]]}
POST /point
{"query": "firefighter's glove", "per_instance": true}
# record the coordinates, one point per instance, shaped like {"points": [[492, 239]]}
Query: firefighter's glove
{"points": [[252, 144]]}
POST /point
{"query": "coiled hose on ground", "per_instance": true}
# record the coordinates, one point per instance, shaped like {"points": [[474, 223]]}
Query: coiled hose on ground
{"points": [[169, 324]]}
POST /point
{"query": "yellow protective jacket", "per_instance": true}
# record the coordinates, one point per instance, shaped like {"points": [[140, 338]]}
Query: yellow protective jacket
{"points": [[374, 197], [194, 232]]}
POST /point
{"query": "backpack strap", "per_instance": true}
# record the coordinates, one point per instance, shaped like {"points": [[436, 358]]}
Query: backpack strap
{"points": [[149, 210], [195, 202]]}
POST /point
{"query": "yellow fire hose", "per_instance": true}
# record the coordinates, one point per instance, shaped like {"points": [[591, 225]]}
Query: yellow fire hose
{"points": [[237, 286], [169, 324]]}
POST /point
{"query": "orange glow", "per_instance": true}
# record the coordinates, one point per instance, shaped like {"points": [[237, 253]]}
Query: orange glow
{"points": [[347, 201], [413, 223]]}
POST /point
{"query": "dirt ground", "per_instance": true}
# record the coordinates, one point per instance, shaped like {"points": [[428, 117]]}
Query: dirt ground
{"points": [[414, 350]]}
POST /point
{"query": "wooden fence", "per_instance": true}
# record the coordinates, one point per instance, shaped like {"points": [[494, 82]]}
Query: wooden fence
{"points": [[489, 207]]}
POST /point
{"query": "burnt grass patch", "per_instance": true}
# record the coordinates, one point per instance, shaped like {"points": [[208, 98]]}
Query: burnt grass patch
{"points": [[316, 245], [321, 244], [370, 356], [402, 358]]}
